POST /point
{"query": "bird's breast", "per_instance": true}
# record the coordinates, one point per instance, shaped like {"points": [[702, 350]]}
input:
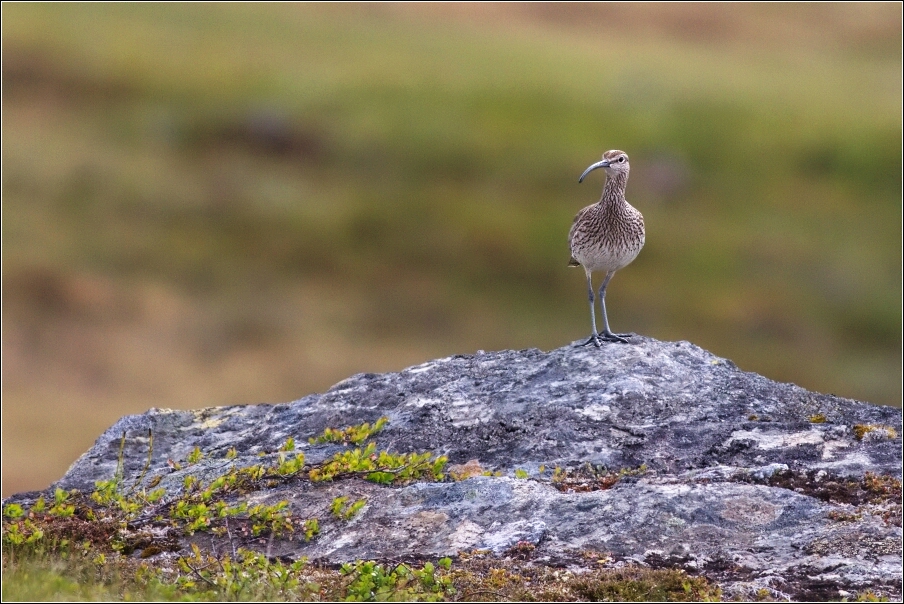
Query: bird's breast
{"points": [[607, 241]]}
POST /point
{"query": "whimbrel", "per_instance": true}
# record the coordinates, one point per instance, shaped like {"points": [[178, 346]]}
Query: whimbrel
{"points": [[606, 236]]}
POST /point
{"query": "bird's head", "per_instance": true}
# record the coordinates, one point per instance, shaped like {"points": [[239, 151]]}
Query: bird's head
{"points": [[615, 162]]}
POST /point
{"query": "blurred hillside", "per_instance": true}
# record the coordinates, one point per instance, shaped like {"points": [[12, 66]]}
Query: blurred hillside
{"points": [[221, 204]]}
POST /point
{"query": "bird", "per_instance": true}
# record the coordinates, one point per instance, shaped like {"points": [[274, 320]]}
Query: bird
{"points": [[606, 237]]}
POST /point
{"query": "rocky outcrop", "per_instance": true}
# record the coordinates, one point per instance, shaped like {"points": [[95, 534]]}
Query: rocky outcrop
{"points": [[653, 453]]}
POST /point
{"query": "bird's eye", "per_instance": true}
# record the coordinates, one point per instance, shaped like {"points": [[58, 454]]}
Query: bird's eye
{"points": [[621, 159]]}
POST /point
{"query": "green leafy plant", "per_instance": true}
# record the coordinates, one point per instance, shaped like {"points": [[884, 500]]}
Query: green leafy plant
{"points": [[340, 510], [274, 519], [13, 510], [195, 456], [60, 506], [371, 581], [248, 575], [382, 467], [311, 527], [289, 465], [21, 532], [352, 434]]}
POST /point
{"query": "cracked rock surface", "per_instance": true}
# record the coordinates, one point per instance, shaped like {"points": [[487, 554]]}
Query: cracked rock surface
{"points": [[752, 483]]}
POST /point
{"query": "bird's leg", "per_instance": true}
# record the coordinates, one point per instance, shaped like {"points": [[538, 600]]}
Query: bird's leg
{"points": [[607, 335], [594, 339]]}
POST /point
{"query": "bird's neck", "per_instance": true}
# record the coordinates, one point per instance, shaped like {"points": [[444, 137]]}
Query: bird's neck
{"points": [[614, 190]]}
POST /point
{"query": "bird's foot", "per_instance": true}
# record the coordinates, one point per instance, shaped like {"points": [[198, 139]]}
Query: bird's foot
{"points": [[594, 339], [608, 336]]}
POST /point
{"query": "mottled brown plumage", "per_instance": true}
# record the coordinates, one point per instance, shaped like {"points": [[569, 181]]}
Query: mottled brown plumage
{"points": [[606, 236]]}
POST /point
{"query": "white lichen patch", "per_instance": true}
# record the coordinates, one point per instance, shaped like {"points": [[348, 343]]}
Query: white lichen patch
{"points": [[777, 440], [427, 366], [596, 411], [422, 401], [465, 412], [625, 385], [344, 539], [506, 535], [674, 490], [853, 460], [465, 536], [207, 420], [831, 446], [421, 368]]}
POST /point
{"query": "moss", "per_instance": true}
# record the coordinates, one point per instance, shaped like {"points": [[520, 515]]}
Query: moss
{"points": [[872, 488], [480, 576], [591, 478], [645, 585], [875, 431], [842, 516], [882, 487]]}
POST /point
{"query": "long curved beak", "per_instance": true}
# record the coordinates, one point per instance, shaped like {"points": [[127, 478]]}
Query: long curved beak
{"points": [[599, 164]]}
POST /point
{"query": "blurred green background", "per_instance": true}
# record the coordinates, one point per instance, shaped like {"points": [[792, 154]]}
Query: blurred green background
{"points": [[216, 204]]}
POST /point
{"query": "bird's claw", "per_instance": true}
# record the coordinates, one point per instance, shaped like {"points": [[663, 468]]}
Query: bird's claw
{"points": [[608, 336], [597, 339], [594, 339]]}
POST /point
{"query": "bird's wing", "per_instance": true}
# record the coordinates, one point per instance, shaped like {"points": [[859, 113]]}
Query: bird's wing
{"points": [[574, 223]]}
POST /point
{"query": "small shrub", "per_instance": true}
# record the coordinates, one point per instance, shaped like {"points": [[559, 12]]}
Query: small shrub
{"points": [[350, 435]]}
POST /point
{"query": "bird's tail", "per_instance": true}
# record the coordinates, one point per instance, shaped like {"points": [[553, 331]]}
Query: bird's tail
{"points": [[573, 262]]}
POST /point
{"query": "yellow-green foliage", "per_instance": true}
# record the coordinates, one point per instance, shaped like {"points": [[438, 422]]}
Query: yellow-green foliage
{"points": [[382, 467], [861, 430], [275, 519], [206, 506], [371, 581], [60, 505], [339, 508], [249, 575], [353, 434], [195, 456], [13, 510], [21, 532]]}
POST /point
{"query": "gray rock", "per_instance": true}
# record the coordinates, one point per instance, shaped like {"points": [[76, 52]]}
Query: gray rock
{"points": [[752, 483]]}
